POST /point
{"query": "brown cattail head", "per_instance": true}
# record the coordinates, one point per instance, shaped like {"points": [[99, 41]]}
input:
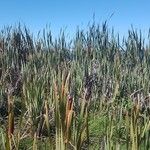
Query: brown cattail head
{"points": [[69, 115]]}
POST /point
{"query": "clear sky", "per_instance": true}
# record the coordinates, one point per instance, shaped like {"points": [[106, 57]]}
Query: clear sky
{"points": [[70, 13]]}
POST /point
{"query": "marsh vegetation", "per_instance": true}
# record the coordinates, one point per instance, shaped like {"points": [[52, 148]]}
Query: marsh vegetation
{"points": [[88, 93]]}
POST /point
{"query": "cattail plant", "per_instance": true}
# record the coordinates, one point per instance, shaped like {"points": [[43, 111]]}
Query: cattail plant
{"points": [[88, 93]]}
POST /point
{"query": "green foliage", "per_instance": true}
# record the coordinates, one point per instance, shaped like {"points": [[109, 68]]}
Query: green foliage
{"points": [[91, 92]]}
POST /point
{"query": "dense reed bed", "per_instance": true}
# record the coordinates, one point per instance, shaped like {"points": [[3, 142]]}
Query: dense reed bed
{"points": [[88, 93]]}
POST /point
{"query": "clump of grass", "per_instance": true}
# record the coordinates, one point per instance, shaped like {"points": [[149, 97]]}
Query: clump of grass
{"points": [[92, 93]]}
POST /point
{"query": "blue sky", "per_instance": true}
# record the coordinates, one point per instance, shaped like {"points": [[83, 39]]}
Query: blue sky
{"points": [[70, 13]]}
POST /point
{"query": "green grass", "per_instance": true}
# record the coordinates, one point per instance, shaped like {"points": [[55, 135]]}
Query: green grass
{"points": [[89, 93]]}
